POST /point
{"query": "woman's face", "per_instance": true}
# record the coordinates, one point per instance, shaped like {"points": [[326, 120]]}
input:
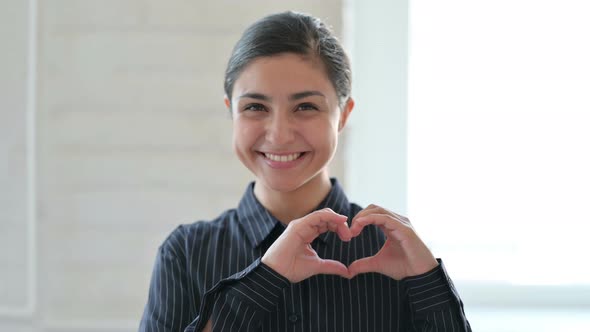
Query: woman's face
{"points": [[286, 120]]}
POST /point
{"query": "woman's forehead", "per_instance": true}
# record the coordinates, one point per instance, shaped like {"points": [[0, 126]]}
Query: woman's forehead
{"points": [[283, 75]]}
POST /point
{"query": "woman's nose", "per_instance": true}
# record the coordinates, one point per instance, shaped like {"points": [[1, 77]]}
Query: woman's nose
{"points": [[280, 130]]}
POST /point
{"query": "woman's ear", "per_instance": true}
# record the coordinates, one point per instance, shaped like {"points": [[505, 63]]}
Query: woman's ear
{"points": [[346, 110], [227, 102]]}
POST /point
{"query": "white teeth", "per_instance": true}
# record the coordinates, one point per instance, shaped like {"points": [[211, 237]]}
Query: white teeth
{"points": [[283, 158]]}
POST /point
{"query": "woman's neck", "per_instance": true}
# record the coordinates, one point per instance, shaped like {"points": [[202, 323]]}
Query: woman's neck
{"points": [[288, 206]]}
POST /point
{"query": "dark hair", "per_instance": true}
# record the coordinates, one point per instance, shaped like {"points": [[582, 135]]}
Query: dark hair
{"points": [[291, 32]]}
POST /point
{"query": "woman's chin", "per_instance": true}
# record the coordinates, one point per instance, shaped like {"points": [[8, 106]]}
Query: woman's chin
{"points": [[284, 184], [279, 185]]}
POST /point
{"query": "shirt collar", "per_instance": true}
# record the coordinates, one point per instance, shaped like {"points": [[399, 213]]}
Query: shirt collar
{"points": [[258, 222]]}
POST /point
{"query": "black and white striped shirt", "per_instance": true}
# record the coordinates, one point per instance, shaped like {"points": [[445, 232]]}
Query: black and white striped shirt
{"points": [[212, 270]]}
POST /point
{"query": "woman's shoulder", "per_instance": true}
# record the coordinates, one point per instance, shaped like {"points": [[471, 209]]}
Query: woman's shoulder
{"points": [[202, 232]]}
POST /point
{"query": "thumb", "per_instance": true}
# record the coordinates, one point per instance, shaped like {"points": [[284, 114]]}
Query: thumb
{"points": [[328, 266], [363, 265]]}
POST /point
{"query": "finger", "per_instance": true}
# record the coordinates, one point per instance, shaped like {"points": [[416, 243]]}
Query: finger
{"points": [[381, 218], [318, 222], [327, 226], [357, 226], [391, 226], [333, 222], [376, 209], [370, 209], [364, 265], [328, 266], [402, 219]]}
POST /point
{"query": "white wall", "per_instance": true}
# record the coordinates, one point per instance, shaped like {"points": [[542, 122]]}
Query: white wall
{"points": [[15, 213], [376, 153]]}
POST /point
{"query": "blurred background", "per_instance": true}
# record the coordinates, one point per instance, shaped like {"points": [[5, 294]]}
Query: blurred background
{"points": [[471, 118]]}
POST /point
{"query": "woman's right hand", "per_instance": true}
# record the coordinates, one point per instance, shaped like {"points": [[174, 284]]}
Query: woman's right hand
{"points": [[292, 256]]}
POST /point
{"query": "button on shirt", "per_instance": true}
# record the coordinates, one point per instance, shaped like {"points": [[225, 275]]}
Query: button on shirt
{"points": [[212, 271], [293, 318]]}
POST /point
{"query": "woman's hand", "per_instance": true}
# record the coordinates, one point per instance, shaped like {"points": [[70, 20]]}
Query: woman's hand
{"points": [[403, 254], [292, 256]]}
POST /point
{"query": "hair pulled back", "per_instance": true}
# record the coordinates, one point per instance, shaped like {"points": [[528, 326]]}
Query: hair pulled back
{"points": [[291, 32]]}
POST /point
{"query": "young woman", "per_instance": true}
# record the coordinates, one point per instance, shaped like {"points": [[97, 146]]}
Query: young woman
{"points": [[296, 254]]}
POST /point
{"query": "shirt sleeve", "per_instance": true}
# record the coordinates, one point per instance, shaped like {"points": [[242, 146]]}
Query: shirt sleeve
{"points": [[240, 302], [434, 303], [168, 308]]}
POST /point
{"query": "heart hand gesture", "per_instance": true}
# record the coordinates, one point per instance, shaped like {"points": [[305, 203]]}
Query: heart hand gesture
{"points": [[403, 254], [292, 256]]}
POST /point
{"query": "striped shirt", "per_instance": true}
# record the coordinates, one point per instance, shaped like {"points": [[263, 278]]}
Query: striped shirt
{"points": [[212, 271]]}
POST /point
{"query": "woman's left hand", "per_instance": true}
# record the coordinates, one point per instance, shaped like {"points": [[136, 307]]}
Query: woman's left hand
{"points": [[403, 254]]}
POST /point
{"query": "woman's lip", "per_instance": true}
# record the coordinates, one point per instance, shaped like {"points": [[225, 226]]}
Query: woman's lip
{"points": [[281, 153], [284, 164]]}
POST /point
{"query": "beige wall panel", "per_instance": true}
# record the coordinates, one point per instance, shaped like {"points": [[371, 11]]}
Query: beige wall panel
{"points": [[134, 140]]}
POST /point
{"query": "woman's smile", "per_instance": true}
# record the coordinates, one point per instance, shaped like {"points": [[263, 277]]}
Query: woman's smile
{"points": [[283, 160]]}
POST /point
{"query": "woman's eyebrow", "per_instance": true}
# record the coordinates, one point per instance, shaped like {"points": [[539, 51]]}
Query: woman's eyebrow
{"points": [[304, 94], [255, 95], [295, 96]]}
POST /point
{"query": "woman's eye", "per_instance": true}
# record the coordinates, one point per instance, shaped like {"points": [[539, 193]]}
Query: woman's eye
{"points": [[254, 107], [307, 107]]}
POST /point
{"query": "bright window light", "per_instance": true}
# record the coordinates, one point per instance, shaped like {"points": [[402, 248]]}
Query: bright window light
{"points": [[499, 138]]}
